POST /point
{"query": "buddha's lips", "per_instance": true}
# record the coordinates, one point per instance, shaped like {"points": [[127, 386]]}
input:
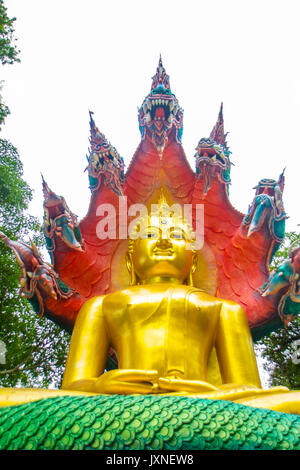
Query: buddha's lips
{"points": [[161, 252]]}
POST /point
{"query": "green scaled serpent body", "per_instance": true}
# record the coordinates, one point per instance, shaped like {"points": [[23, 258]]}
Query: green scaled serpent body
{"points": [[117, 422]]}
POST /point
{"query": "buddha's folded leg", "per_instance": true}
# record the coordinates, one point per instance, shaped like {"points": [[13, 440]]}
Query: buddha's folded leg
{"points": [[284, 402], [16, 396], [237, 393], [276, 399]]}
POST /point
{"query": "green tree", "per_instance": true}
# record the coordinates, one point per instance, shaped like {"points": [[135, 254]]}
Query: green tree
{"points": [[279, 349], [8, 50], [35, 347], [32, 349]]}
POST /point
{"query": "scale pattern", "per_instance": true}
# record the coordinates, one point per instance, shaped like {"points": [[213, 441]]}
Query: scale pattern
{"points": [[106, 422]]}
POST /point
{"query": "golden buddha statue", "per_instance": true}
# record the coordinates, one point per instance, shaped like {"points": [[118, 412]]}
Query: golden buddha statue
{"points": [[169, 336], [164, 329]]}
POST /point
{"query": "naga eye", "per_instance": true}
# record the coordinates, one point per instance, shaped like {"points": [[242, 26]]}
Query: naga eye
{"points": [[151, 235]]}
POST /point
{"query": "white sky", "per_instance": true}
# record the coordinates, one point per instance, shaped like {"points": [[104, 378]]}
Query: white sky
{"points": [[100, 55]]}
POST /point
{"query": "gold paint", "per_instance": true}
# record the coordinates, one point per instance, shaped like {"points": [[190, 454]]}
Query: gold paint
{"points": [[16, 396], [169, 336], [162, 328]]}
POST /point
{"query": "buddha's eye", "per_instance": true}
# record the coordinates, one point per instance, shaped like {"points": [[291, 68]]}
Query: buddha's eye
{"points": [[151, 235], [177, 235]]}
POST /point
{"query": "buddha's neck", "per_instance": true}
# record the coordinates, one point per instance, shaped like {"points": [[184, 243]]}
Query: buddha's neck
{"points": [[162, 280]]}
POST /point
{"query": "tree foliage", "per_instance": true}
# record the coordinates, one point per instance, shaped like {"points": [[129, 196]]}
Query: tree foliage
{"points": [[279, 349], [32, 349], [8, 49], [35, 348]]}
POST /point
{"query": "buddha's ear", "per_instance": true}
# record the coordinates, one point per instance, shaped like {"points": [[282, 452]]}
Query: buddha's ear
{"points": [[194, 264], [193, 269], [129, 261], [130, 268]]}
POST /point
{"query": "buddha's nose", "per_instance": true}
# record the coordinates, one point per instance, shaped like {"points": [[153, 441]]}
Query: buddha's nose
{"points": [[163, 241]]}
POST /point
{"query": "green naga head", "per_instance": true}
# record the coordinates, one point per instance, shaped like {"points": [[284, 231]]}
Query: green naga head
{"points": [[279, 279], [285, 283], [60, 224], [213, 156]]}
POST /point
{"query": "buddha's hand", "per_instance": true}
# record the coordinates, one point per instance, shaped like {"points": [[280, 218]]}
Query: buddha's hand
{"points": [[127, 381], [178, 384]]}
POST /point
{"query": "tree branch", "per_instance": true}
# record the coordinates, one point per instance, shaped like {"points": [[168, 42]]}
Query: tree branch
{"points": [[14, 369]]}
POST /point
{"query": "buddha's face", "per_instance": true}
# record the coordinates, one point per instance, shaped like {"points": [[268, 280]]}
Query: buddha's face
{"points": [[161, 251]]}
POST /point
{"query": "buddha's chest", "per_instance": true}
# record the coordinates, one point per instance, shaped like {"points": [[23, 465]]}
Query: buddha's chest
{"points": [[158, 330], [171, 313]]}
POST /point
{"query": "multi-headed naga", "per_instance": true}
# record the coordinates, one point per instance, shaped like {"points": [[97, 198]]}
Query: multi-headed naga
{"points": [[237, 248], [165, 283]]}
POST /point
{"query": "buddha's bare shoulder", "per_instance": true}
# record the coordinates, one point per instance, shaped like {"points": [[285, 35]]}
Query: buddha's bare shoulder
{"points": [[98, 306], [92, 304], [91, 309], [198, 296]]}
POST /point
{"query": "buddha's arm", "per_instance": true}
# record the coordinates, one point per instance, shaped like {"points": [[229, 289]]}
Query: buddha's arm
{"points": [[234, 347], [87, 359], [88, 348]]}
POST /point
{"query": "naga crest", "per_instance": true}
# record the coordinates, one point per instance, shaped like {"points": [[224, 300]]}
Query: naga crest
{"points": [[160, 113], [212, 155], [104, 162], [60, 225], [267, 207], [38, 279], [285, 280]]}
